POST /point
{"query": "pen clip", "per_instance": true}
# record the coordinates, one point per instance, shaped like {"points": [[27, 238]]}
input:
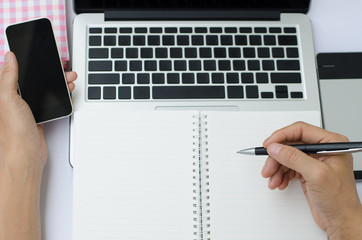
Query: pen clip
{"points": [[334, 152]]}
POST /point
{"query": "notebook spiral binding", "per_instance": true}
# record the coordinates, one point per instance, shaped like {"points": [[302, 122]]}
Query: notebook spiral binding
{"points": [[204, 156], [197, 206]]}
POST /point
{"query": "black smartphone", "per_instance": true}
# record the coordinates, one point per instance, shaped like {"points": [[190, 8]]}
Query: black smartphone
{"points": [[42, 82]]}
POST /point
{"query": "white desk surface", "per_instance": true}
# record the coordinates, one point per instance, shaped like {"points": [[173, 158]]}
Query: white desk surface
{"points": [[337, 27]]}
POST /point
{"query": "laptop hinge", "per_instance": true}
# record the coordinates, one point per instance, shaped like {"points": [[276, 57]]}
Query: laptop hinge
{"points": [[113, 15]]}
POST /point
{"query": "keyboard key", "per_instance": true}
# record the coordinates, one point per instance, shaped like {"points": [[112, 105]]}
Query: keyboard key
{"points": [[109, 40], [263, 53], [190, 52], [143, 78], [278, 52], [219, 52], [161, 53], [120, 66], [188, 92], [253, 65], [140, 30], [135, 65], [255, 40], [239, 65], [262, 78], [124, 40], [197, 40], [188, 78], [232, 78], [296, 94], [231, 30], [290, 30], [235, 92], [202, 78], [212, 40], [217, 77], [94, 93], [100, 66], [226, 40], [195, 65], [183, 40], [241, 40], [269, 40], [234, 52], [268, 65], [275, 30], [165, 65], [117, 53], [125, 30], [260, 30], [292, 53], [205, 52], [95, 41], [103, 78], [98, 53], [245, 30], [224, 65], [216, 30], [95, 30], [110, 30], [158, 78], [288, 65], [132, 52], [109, 93], [141, 92], [286, 78], [170, 30], [249, 52], [151, 65], [281, 91], [209, 65], [247, 78], [180, 65], [153, 40], [252, 91], [173, 78], [185, 30], [176, 52], [146, 52], [128, 78], [287, 40], [200, 30], [155, 30], [139, 40], [124, 92], [168, 40], [267, 95]]}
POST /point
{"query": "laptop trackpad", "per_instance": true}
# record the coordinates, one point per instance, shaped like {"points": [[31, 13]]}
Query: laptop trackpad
{"points": [[199, 108]]}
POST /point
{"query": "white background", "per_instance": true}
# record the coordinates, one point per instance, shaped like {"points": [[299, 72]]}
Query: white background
{"points": [[337, 27]]}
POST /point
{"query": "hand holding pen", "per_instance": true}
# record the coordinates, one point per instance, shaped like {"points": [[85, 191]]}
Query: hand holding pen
{"points": [[327, 180]]}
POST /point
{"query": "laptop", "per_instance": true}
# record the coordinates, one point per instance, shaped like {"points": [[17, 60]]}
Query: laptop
{"points": [[194, 55]]}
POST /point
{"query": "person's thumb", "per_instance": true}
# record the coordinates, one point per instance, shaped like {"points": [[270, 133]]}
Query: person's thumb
{"points": [[9, 74], [293, 159]]}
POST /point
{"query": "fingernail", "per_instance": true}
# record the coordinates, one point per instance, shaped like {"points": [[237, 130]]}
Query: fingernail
{"points": [[7, 57], [274, 149]]}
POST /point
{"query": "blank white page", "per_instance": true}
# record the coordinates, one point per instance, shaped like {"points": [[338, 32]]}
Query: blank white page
{"points": [[133, 176], [241, 204]]}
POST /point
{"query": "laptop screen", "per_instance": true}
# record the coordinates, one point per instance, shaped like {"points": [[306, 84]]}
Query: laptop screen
{"points": [[87, 6]]}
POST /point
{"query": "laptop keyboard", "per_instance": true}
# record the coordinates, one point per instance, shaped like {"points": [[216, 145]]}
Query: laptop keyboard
{"points": [[178, 63]]}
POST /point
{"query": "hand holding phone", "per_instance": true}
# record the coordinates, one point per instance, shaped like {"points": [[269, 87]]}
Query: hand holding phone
{"points": [[42, 81]]}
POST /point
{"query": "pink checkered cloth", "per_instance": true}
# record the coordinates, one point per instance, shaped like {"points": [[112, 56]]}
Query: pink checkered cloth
{"points": [[13, 11]]}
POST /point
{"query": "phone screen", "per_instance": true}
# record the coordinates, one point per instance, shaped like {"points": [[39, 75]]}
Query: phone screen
{"points": [[41, 78]]}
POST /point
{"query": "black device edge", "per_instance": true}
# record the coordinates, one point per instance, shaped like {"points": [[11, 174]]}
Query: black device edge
{"points": [[176, 15], [340, 66]]}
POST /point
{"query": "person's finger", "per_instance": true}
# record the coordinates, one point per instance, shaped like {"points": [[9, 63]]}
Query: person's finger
{"points": [[277, 178], [71, 86], [9, 74], [270, 167], [294, 159], [71, 76], [304, 132]]}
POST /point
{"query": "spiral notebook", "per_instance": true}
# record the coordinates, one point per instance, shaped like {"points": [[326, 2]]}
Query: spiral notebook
{"points": [[176, 175]]}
